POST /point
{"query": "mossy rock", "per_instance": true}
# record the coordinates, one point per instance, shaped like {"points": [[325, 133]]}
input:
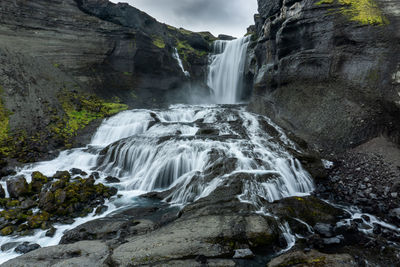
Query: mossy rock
{"points": [[8, 230], [37, 220]]}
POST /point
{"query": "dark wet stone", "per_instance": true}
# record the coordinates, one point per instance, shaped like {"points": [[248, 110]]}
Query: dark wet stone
{"points": [[112, 180], [51, 232], [17, 187], [323, 229], [26, 247]]}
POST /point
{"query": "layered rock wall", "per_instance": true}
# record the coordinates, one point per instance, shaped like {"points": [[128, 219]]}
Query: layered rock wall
{"points": [[90, 47], [328, 70]]}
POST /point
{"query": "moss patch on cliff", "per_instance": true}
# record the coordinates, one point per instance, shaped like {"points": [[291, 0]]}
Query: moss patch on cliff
{"points": [[4, 120], [185, 50], [158, 41], [80, 110], [366, 12], [5, 149], [363, 11]]}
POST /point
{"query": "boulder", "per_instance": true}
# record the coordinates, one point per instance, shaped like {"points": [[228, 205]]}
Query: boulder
{"points": [[26, 247], [85, 253], [112, 180], [312, 258], [211, 236], [17, 187]]}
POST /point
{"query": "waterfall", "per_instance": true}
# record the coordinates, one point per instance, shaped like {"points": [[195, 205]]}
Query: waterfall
{"points": [[226, 70], [178, 59]]}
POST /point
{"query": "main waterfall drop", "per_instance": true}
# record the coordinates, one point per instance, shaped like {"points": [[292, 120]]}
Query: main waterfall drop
{"points": [[226, 70]]}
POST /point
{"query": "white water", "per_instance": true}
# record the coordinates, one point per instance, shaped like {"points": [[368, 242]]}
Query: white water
{"points": [[178, 59], [169, 154], [226, 70]]}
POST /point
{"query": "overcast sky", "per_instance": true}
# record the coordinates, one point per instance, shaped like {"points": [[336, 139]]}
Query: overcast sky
{"points": [[217, 16]]}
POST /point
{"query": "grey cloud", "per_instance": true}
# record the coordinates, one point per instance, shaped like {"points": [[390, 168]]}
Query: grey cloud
{"points": [[218, 16]]}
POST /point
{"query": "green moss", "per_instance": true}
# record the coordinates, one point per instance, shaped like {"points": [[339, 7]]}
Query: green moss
{"points": [[366, 12], [158, 41], [7, 230], [363, 11], [4, 127], [127, 73], [38, 176], [325, 2], [37, 220], [56, 65], [184, 50], [80, 110], [12, 203]]}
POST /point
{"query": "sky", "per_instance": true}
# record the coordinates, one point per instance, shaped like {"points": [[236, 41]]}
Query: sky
{"points": [[230, 17]]}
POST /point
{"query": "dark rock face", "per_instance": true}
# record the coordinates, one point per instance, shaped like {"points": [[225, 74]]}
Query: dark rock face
{"points": [[324, 73], [92, 47]]}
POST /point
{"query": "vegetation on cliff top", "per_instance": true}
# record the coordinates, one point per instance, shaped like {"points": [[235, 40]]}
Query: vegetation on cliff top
{"points": [[366, 12]]}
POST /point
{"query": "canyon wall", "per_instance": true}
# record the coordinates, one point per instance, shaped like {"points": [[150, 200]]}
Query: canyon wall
{"points": [[328, 70], [67, 63]]}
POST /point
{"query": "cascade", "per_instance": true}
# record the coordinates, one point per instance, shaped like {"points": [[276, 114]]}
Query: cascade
{"points": [[187, 151], [178, 59], [226, 70]]}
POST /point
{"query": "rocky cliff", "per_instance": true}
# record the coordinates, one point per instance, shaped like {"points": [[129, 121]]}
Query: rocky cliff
{"points": [[65, 64], [328, 70]]}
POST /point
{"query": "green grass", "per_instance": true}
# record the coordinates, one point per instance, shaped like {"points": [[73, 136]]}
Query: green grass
{"points": [[159, 42]]}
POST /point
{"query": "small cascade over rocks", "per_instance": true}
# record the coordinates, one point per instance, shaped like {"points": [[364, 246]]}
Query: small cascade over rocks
{"points": [[226, 70], [178, 59]]}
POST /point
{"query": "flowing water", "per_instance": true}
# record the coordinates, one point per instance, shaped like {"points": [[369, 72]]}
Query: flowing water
{"points": [[226, 72], [187, 151], [178, 59]]}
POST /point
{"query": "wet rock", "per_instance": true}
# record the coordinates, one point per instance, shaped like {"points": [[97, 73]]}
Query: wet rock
{"points": [[8, 246], [210, 236], [51, 232], [46, 201], [323, 229], [17, 187], [207, 131], [75, 171], [312, 258], [332, 241], [38, 180], [2, 192], [95, 175], [101, 210], [62, 175], [26, 247], [28, 204], [112, 180], [243, 254], [84, 253]]}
